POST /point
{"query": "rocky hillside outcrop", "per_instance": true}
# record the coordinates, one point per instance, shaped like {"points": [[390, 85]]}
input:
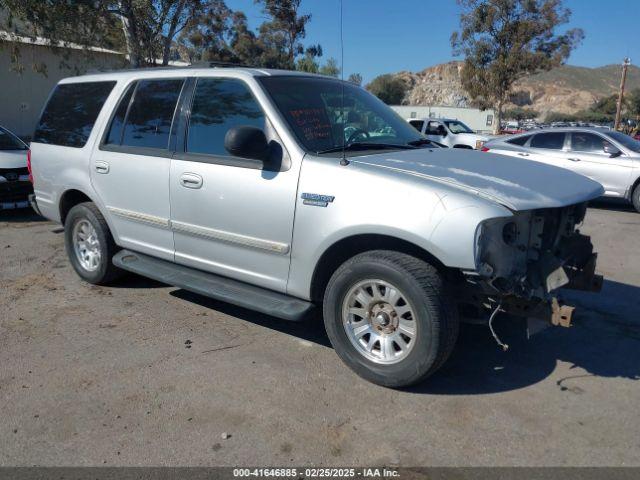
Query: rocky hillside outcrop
{"points": [[566, 89]]}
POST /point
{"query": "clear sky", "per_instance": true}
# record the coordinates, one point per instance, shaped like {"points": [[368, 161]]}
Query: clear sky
{"points": [[384, 36]]}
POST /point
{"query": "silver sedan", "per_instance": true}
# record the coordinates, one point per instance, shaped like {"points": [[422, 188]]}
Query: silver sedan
{"points": [[606, 156]]}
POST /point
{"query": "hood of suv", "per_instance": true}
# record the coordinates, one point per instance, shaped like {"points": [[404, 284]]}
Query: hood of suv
{"points": [[13, 158], [517, 184]]}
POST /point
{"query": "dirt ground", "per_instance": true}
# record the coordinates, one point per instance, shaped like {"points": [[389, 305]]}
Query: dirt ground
{"points": [[145, 374]]}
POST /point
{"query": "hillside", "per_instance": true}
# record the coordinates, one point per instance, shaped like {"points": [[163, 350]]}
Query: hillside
{"points": [[566, 89]]}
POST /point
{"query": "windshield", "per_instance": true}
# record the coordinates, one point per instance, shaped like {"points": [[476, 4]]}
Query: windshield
{"points": [[457, 127], [626, 141], [8, 141], [323, 120]]}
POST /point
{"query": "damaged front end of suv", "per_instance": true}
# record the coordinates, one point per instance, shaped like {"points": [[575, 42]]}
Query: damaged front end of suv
{"points": [[522, 260]]}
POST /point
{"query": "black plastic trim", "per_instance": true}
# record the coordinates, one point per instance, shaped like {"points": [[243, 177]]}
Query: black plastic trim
{"points": [[214, 286], [34, 204]]}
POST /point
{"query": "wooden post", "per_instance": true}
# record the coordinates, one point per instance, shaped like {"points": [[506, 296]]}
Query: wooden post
{"points": [[625, 65]]}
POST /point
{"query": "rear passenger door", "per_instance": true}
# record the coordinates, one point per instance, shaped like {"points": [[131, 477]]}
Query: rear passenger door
{"points": [[548, 147], [130, 169], [231, 216]]}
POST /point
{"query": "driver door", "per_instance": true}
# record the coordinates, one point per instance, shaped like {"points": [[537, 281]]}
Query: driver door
{"points": [[230, 216], [588, 156], [436, 131]]}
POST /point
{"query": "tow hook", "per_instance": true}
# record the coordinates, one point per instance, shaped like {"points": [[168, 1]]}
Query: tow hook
{"points": [[561, 315]]}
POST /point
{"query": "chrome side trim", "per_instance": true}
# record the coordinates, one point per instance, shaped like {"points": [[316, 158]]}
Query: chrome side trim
{"points": [[197, 231], [140, 217]]}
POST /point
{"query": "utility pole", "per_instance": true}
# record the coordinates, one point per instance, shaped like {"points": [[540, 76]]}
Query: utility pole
{"points": [[625, 65]]}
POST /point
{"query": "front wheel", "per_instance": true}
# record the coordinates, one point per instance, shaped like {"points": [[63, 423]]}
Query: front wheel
{"points": [[390, 317], [90, 245], [635, 198]]}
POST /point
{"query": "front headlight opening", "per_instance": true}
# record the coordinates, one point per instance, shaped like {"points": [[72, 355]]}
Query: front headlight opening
{"points": [[510, 233]]}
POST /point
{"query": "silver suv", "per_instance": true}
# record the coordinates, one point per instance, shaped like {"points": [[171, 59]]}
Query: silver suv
{"points": [[279, 191]]}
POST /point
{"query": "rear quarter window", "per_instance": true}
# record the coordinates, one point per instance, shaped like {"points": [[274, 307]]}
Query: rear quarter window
{"points": [[71, 112], [519, 140]]}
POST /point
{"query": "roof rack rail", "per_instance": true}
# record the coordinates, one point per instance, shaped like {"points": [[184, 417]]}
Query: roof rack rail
{"points": [[215, 63]]}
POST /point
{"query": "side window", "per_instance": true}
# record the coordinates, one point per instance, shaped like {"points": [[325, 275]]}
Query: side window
{"points": [[417, 124], [71, 112], [587, 142], [114, 136], [150, 116], [519, 140], [551, 140], [433, 128], [218, 105]]}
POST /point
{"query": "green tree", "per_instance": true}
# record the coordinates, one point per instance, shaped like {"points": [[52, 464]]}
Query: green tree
{"points": [[607, 105], [521, 114], [283, 33], [147, 28], [388, 88], [308, 63], [355, 78], [504, 40], [634, 103], [330, 68], [57, 23], [217, 34]]}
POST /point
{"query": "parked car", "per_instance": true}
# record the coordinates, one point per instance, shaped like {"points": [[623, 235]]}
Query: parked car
{"points": [[607, 156], [237, 184], [15, 186], [449, 132]]}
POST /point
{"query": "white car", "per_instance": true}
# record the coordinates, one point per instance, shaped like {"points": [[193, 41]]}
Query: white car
{"points": [[449, 132], [15, 186]]}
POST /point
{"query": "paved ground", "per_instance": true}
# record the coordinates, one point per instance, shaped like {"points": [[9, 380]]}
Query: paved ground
{"points": [[95, 376]]}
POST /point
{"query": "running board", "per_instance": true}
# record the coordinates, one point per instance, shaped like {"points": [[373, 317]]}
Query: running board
{"points": [[214, 286]]}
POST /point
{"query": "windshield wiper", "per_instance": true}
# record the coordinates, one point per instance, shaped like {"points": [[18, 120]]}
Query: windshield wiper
{"points": [[351, 147], [422, 141]]}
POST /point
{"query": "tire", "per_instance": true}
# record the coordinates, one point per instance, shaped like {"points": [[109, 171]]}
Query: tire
{"points": [[82, 218], [411, 283], [635, 198]]}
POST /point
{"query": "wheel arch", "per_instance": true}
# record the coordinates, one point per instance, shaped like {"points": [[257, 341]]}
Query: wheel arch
{"points": [[341, 250], [69, 199], [635, 184]]}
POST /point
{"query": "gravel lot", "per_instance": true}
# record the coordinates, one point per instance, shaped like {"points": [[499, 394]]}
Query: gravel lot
{"points": [[144, 374]]}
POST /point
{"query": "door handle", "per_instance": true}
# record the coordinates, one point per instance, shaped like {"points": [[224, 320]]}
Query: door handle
{"points": [[190, 180], [102, 167], [523, 154], [573, 159]]}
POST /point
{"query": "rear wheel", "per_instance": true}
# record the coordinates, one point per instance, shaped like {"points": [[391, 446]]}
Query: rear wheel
{"points": [[390, 318], [90, 245], [635, 198]]}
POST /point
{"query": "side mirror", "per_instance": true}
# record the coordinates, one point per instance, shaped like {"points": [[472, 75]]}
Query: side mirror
{"points": [[611, 150], [245, 141]]}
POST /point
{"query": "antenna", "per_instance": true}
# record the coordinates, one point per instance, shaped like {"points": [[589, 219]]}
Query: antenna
{"points": [[344, 162]]}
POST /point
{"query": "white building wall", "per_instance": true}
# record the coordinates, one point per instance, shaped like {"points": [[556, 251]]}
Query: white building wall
{"points": [[22, 95], [481, 121]]}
